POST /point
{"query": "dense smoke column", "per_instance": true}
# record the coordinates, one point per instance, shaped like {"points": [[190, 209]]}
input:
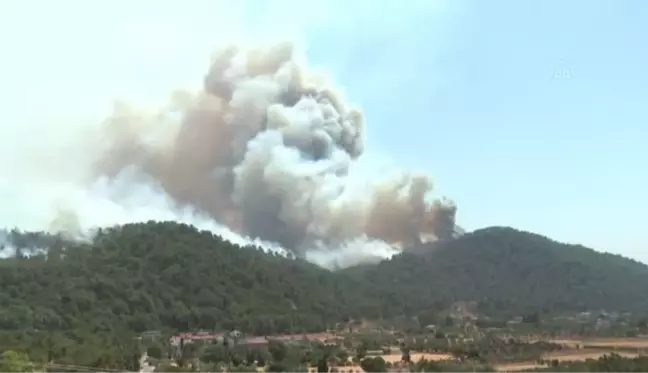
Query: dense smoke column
{"points": [[442, 213], [266, 149]]}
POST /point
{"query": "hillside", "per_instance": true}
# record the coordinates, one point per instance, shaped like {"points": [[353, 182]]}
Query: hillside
{"points": [[82, 304], [515, 271], [82, 298], [166, 275]]}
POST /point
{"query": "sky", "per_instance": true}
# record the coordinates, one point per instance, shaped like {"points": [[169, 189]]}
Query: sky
{"points": [[530, 114]]}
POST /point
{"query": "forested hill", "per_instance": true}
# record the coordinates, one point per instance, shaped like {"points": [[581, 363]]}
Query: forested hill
{"points": [[171, 276], [168, 275], [507, 270]]}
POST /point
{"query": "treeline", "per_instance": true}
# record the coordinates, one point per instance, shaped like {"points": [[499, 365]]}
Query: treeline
{"points": [[278, 356], [298, 357], [607, 363], [84, 302], [510, 272], [170, 276]]}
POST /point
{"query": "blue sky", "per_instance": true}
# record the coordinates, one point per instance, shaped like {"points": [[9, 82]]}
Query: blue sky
{"points": [[528, 113], [532, 114]]}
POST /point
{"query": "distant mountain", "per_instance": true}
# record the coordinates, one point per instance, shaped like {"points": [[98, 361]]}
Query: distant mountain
{"points": [[173, 277], [514, 270]]}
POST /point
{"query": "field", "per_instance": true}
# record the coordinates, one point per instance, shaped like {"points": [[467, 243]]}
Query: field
{"points": [[576, 350], [583, 349], [569, 355], [638, 343]]}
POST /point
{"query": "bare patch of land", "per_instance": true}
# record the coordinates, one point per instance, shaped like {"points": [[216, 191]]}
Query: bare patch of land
{"points": [[561, 356], [580, 355], [603, 342], [518, 367]]}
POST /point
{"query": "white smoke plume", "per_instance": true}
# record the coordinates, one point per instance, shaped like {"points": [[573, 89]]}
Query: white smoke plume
{"points": [[267, 152], [267, 149]]}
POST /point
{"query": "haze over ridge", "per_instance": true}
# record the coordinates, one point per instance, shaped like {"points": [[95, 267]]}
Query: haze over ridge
{"points": [[266, 148], [527, 114]]}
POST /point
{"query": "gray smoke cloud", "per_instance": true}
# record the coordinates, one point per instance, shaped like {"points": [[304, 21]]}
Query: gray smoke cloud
{"points": [[268, 149]]}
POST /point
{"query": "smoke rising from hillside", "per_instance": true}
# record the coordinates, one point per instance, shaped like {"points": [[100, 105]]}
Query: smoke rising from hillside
{"points": [[266, 152], [267, 149]]}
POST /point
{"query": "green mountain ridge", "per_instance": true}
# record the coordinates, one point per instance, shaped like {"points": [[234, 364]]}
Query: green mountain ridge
{"points": [[170, 276], [516, 270]]}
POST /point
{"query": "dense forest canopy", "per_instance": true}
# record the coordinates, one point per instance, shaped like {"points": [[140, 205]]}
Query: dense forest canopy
{"points": [[513, 271], [172, 277]]}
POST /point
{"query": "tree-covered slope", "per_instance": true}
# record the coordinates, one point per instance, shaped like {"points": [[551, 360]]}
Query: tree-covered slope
{"points": [[172, 276], [513, 271], [167, 275]]}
